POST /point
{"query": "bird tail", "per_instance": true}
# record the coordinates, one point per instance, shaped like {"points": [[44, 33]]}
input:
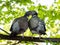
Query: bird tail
{"points": [[13, 34]]}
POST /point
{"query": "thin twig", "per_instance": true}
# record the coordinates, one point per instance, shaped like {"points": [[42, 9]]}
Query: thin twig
{"points": [[4, 31]]}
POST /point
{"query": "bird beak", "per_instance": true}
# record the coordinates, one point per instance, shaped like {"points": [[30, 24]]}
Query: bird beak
{"points": [[29, 17]]}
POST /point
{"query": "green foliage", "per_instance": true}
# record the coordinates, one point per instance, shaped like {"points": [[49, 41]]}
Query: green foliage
{"points": [[9, 11]]}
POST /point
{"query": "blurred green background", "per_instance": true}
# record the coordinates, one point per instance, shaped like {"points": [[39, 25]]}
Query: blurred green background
{"points": [[11, 9]]}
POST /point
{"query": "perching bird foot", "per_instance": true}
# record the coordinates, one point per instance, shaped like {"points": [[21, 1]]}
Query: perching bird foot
{"points": [[40, 37]]}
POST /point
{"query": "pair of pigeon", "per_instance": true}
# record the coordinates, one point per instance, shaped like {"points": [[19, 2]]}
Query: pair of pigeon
{"points": [[35, 24]]}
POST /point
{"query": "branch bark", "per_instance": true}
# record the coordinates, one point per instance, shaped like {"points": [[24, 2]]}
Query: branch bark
{"points": [[35, 39]]}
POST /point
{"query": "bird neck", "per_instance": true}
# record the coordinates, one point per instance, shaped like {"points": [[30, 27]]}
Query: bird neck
{"points": [[34, 16]]}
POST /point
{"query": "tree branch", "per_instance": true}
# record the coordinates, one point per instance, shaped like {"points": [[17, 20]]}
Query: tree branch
{"points": [[4, 31], [35, 39]]}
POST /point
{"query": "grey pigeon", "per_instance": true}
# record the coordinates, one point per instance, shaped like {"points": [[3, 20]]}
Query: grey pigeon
{"points": [[19, 25], [36, 25]]}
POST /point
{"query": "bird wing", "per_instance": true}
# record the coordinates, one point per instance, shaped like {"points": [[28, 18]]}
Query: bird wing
{"points": [[41, 27], [13, 23]]}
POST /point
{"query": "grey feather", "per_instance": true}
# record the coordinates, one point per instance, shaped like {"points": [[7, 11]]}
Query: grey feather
{"points": [[16, 27]]}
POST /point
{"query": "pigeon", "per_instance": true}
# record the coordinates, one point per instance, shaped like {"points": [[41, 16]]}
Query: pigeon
{"points": [[20, 25], [36, 25]]}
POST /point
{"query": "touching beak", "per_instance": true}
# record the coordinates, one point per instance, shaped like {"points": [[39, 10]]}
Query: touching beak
{"points": [[29, 17]]}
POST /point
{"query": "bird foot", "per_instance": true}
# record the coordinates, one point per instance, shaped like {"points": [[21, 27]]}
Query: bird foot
{"points": [[40, 38]]}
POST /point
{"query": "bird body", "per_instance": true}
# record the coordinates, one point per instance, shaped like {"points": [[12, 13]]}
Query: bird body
{"points": [[19, 26], [36, 25]]}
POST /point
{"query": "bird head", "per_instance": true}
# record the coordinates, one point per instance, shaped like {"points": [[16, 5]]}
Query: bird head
{"points": [[33, 13], [28, 13]]}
